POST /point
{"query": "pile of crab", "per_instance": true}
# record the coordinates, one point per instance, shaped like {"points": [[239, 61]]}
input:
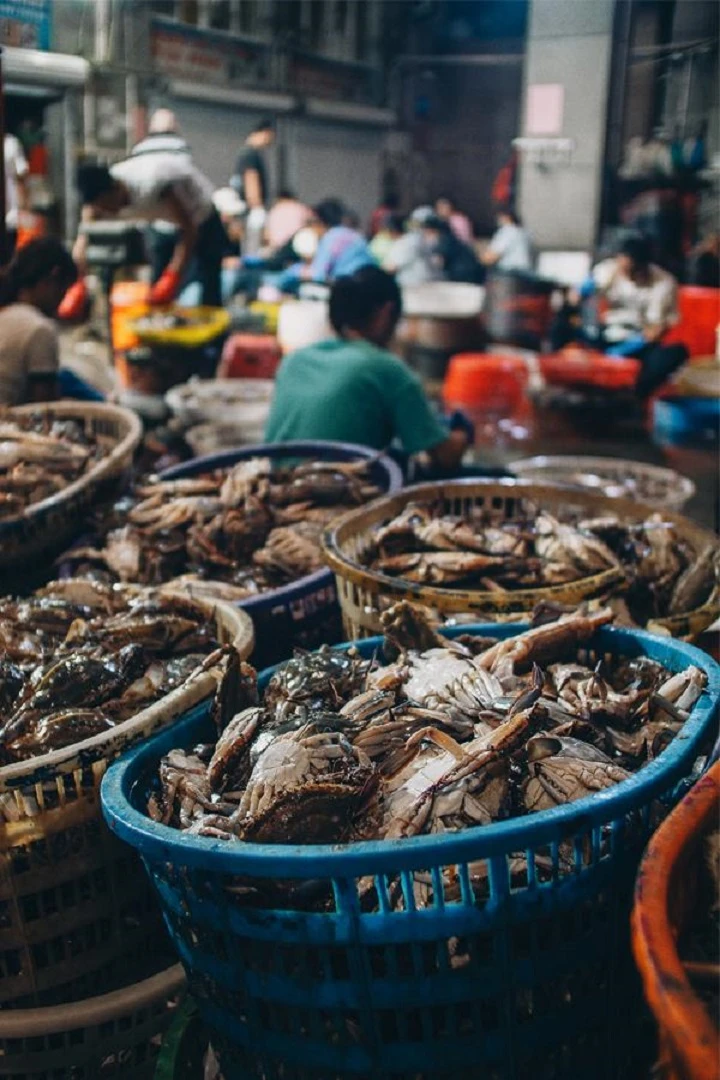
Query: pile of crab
{"points": [[659, 572], [251, 527], [39, 456], [437, 736], [79, 657]]}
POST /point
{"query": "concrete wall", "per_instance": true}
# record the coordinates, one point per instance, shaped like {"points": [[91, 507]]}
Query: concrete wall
{"points": [[569, 42]]}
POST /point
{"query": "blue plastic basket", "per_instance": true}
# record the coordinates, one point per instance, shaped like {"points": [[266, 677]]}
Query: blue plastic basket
{"points": [[534, 980], [305, 613]]}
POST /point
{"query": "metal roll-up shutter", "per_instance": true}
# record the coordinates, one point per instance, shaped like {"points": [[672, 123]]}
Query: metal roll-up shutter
{"points": [[332, 159]]}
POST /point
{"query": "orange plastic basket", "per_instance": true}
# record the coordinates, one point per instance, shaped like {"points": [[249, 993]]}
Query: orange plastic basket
{"points": [[689, 1043], [574, 366]]}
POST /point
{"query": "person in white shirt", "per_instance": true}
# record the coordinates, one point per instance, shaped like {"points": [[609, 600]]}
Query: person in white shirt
{"points": [[167, 187], [510, 247], [16, 195], [638, 305]]}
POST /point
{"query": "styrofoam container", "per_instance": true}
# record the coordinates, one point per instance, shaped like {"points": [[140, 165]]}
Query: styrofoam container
{"points": [[242, 403]]}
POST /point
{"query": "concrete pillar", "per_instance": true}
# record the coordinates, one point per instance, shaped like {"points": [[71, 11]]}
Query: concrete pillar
{"points": [[569, 42]]}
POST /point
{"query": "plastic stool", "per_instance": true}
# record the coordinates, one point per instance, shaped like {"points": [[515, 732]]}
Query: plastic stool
{"points": [[249, 356]]}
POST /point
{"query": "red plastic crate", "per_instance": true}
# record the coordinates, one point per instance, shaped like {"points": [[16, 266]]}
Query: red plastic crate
{"points": [[586, 367], [249, 356]]}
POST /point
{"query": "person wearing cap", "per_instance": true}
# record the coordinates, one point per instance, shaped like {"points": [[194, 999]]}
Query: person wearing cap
{"points": [[161, 186], [250, 180], [409, 258], [163, 136]]}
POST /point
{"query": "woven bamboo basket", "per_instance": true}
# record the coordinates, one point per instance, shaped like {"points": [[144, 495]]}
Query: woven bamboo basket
{"points": [[48, 525], [365, 593], [666, 906], [76, 910], [117, 1035]]}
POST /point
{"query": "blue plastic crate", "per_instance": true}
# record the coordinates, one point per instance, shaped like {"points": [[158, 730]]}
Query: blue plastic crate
{"points": [[533, 979], [307, 612]]}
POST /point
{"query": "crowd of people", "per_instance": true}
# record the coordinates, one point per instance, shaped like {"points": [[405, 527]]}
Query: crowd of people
{"points": [[238, 239]]}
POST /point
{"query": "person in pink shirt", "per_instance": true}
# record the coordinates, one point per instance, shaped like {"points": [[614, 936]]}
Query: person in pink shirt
{"points": [[460, 223], [286, 217]]}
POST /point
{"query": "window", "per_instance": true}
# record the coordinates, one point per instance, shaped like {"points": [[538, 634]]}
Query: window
{"points": [[341, 16], [361, 28], [188, 11], [219, 15]]}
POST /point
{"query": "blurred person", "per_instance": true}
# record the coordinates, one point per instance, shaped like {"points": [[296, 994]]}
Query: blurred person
{"points": [[639, 305], [32, 287], [341, 250], [250, 180], [286, 217], [163, 136], [453, 260], [410, 257], [350, 388], [460, 223], [510, 247], [166, 187], [16, 187], [389, 205], [391, 230], [704, 263]]}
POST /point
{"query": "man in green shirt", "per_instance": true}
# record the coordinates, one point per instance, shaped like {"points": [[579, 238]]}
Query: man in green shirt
{"points": [[351, 389]]}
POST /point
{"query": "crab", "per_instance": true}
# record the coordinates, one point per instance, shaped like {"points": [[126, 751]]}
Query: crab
{"points": [[306, 787], [563, 770], [460, 786], [312, 681], [518, 654]]}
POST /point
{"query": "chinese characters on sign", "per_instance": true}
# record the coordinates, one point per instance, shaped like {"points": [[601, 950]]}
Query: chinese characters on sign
{"points": [[25, 24]]}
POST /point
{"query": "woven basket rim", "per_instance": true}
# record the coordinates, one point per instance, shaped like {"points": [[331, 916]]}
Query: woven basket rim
{"points": [[195, 689], [374, 581], [51, 1019], [107, 465]]}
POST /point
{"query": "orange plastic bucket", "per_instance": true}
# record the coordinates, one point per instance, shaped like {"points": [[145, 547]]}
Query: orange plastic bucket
{"points": [[699, 317], [128, 301], [689, 1044], [493, 382]]}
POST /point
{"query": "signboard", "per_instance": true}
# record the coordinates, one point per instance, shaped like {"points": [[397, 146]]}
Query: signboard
{"points": [[25, 24], [321, 78], [184, 52]]}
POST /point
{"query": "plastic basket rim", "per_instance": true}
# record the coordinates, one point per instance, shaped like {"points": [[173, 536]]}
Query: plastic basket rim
{"points": [[162, 842], [376, 581], [89, 751], [323, 577], [685, 488], [98, 472], [46, 1020]]}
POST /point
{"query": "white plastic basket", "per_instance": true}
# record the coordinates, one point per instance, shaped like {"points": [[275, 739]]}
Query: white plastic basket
{"points": [[612, 477]]}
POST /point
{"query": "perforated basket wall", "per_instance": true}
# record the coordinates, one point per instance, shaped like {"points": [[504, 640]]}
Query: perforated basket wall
{"points": [[117, 1035], [77, 916], [365, 593], [47, 525], [500, 952]]}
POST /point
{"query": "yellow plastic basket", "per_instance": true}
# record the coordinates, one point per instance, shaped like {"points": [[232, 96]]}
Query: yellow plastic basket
{"points": [[205, 325]]}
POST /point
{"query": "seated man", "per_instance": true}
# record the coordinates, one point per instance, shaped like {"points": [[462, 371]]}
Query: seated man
{"points": [[351, 389], [637, 306]]}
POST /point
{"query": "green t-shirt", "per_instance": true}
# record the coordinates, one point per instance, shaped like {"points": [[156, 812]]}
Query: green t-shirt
{"points": [[351, 391]]}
